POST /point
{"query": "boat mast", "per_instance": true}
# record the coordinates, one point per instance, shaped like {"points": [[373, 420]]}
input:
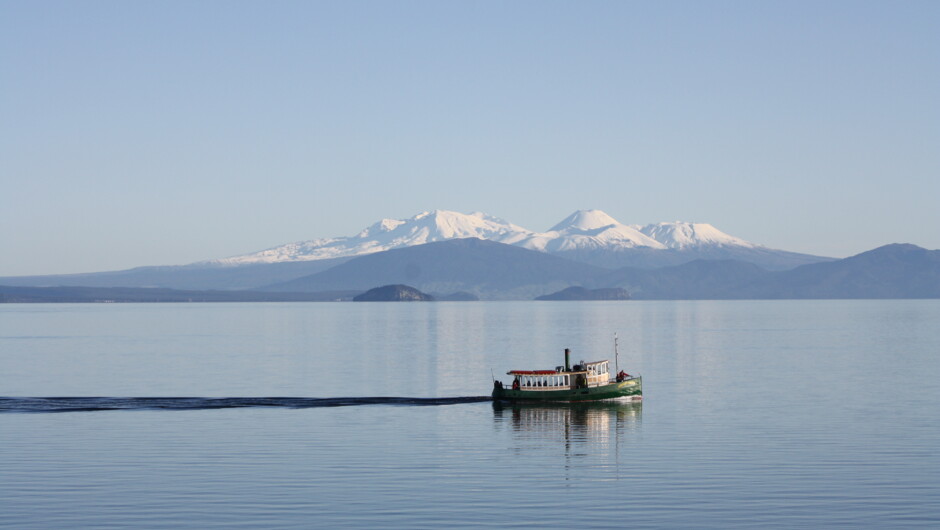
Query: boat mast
{"points": [[616, 355]]}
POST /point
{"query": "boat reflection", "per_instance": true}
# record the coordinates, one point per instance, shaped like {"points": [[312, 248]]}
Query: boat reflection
{"points": [[587, 418], [592, 433]]}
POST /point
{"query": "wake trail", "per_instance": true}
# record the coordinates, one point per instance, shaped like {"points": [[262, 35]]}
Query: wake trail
{"points": [[89, 404]]}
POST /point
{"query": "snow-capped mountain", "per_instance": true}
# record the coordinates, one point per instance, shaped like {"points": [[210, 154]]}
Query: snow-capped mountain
{"points": [[387, 234], [588, 229], [582, 233], [679, 235], [587, 240]]}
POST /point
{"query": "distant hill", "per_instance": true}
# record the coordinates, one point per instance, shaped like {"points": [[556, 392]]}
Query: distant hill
{"points": [[580, 293], [16, 294], [645, 258], [496, 271], [891, 271], [699, 279], [393, 293], [484, 268], [199, 276], [490, 270]]}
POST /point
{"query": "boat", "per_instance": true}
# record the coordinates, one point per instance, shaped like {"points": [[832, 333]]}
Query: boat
{"points": [[585, 381]]}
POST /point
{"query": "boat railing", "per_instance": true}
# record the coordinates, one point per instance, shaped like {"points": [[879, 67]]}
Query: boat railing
{"points": [[543, 388]]}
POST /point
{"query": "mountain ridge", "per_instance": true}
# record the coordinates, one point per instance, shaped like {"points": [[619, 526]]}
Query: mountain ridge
{"points": [[494, 271], [484, 268], [592, 236], [896, 270]]}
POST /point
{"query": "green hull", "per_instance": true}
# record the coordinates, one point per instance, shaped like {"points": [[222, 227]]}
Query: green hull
{"points": [[629, 389]]}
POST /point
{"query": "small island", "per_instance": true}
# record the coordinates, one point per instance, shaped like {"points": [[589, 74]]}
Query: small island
{"points": [[580, 293], [393, 293]]}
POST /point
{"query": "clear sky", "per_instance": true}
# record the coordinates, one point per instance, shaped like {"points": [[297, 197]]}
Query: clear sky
{"points": [[152, 133]]}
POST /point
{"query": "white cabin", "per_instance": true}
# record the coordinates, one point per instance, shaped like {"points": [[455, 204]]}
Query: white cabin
{"points": [[582, 375]]}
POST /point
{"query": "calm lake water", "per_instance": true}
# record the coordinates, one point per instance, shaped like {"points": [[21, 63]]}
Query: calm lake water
{"points": [[756, 413]]}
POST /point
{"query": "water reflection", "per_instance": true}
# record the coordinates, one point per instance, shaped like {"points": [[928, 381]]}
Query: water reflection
{"points": [[585, 434], [578, 419]]}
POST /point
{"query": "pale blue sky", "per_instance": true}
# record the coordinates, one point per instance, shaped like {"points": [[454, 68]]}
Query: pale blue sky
{"points": [[149, 133]]}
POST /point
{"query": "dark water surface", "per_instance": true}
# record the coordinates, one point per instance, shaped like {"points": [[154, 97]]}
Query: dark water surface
{"points": [[781, 414]]}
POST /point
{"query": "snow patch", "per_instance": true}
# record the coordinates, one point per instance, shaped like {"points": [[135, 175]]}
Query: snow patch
{"points": [[584, 220], [681, 235]]}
